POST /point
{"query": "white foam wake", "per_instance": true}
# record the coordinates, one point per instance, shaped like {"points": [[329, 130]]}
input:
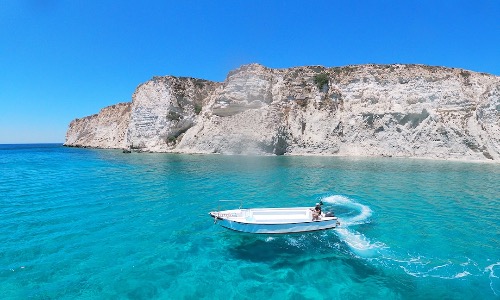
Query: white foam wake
{"points": [[360, 245], [434, 267], [359, 214], [351, 213], [494, 279], [362, 212]]}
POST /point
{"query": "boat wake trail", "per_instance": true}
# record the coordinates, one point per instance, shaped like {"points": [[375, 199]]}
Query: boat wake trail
{"points": [[354, 216], [357, 213], [353, 213], [494, 278]]}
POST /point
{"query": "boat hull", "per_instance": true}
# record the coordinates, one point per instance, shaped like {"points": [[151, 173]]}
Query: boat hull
{"points": [[278, 228], [245, 221]]}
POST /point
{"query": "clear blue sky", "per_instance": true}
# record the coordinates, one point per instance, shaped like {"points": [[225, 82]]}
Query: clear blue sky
{"points": [[61, 60]]}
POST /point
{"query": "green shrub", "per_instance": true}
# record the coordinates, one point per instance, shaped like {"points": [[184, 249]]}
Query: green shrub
{"points": [[197, 108], [465, 74], [321, 80]]}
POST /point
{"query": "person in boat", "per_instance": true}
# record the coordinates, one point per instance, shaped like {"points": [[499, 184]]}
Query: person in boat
{"points": [[316, 212]]}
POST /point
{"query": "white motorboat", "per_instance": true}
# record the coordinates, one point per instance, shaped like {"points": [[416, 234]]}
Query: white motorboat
{"points": [[274, 220]]}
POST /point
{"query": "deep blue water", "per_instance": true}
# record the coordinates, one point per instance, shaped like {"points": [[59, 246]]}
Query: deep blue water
{"points": [[87, 224]]}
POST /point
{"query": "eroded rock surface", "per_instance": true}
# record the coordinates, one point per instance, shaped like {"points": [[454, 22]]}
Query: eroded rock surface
{"points": [[107, 129], [366, 110]]}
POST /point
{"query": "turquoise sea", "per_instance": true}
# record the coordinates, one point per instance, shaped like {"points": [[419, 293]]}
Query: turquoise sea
{"points": [[101, 224]]}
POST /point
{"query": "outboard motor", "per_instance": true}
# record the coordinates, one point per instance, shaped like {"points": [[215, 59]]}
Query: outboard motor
{"points": [[329, 214]]}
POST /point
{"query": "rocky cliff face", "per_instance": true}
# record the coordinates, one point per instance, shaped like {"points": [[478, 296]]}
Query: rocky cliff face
{"points": [[367, 110], [107, 129], [163, 109]]}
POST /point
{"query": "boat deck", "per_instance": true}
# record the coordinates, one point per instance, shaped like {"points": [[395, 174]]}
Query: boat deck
{"points": [[270, 215], [279, 216]]}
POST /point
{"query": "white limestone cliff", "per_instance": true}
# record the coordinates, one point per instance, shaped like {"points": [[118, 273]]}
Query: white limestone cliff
{"points": [[107, 129], [366, 110]]}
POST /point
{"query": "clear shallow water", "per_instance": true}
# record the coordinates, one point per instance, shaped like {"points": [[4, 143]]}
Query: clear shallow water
{"points": [[81, 223]]}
